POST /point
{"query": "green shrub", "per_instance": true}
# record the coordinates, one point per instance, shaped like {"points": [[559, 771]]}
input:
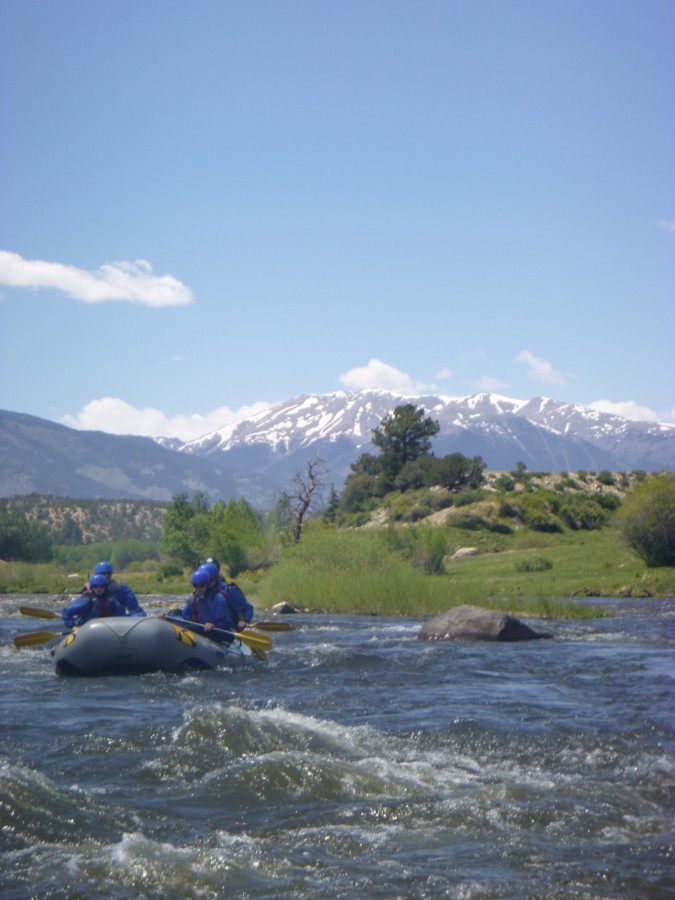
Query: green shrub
{"points": [[352, 520], [416, 513], [533, 564], [536, 511], [504, 483], [169, 571], [425, 547], [608, 500], [475, 522], [466, 498], [468, 521], [647, 519], [566, 483]]}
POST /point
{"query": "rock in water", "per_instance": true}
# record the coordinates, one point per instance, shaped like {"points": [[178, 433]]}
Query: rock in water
{"points": [[474, 623]]}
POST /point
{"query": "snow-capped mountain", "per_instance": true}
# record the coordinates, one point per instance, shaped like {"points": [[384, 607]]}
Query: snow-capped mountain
{"points": [[259, 457], [545, 434]]}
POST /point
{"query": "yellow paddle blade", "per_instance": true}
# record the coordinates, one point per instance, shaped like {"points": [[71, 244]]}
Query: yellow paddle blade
{"points": [[253, 640], [271, 626], [35, 637], [38, 613]]}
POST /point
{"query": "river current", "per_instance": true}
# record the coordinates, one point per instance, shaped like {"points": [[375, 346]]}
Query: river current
{"points": [[355, 762]]}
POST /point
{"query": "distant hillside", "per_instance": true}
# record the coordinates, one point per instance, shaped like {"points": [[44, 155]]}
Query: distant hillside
{"points": [[42, 457], [70, 521]]}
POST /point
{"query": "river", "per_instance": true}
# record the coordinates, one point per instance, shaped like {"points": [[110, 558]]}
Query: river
{"points": [[356, 762]]}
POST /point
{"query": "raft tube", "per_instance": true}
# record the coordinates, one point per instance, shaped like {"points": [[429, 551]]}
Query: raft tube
{"points": [[133, 645]]}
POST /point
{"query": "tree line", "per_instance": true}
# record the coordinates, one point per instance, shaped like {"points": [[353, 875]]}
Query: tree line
{"points": [[245, 539]]}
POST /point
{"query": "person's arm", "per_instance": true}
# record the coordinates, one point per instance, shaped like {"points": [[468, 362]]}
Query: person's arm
{"points": [[117, 608], [239, 603], [186, 611], [130, 600], [246, 613], [73, 614]]}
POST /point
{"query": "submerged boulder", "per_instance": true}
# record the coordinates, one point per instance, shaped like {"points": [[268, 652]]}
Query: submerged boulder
{"points": [[474, 623]]}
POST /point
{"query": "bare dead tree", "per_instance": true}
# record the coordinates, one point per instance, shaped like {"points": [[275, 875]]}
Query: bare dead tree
{"points": [[307, 486]]}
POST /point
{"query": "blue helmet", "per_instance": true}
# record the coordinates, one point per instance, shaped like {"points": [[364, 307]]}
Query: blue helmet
{"points": [[214, 562], [211, 568], [200, 576], [98, 579], [103, 568]]}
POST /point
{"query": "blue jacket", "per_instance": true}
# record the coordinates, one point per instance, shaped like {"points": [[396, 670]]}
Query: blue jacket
{"points": [[84, 608], [236, 598], [123, 594], [211, 607]]}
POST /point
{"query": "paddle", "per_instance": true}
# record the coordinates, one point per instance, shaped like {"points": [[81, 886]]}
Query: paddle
{"points": [[38, 613], [271, 626], [32, 638], [48, 614], [254, 641]]}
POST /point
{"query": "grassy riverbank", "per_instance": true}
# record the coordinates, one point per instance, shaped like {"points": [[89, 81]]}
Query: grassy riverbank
{"points": [[531, 573], [352, 571]]}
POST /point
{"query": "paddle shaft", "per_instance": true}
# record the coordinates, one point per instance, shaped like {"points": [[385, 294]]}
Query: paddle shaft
{"points": [[254, 641], [48, 614]]}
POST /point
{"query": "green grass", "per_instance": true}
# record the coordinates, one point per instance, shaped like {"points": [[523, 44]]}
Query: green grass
{"points": [[584, 563], [357, 571]]}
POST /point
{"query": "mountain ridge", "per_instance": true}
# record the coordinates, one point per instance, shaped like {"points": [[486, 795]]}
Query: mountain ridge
{"points": [[258, 457], [566, 436]]}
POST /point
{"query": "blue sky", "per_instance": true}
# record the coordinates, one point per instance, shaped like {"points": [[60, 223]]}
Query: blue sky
{"points": [[208, 207]]}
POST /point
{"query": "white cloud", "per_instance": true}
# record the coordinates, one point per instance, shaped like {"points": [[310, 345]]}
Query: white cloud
{"points": [[668, 224], [540, 369], [379, 375], [132, 281], [444, 373], [628, 409], [488, 383], [115, 416]]}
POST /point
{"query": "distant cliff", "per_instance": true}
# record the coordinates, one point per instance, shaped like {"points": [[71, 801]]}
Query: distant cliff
{"points": [[92, 521]]}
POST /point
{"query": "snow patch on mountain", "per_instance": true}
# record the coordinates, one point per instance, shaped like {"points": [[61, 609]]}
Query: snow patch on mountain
{"points": [[486, 419]]}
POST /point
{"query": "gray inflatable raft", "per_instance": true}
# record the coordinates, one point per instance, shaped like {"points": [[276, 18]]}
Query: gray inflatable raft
{"points": [[134, 645]]}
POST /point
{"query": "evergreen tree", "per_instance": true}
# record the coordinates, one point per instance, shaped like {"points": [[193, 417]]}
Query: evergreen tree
{"points": [[330, 512], [402, 437]]}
